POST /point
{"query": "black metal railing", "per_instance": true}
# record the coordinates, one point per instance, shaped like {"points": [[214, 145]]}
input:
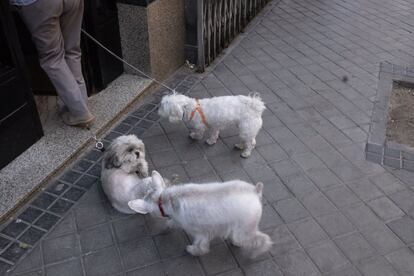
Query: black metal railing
{"points": [[212, 24]]}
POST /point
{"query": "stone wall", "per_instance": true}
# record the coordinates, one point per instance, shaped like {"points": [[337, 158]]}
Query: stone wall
{"points": [[153, 36]]}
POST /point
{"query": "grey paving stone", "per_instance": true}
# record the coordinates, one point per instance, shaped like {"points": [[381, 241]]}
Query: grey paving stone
{"points": [[44, 200], [387, 183], [182, 266], [198, 167], [225, 163], [323, 178], [347, 271], [299, 185], [153, 270], [327, 256], [32, 235], [307, 231], [218, 149], [274, 190], [89, 214], [335, 224], [290, 210], [31, 262], [138, 253], [57, 188], [355, 247], [14, 229], [403, 228], [270, 218], [341, 122], [164, 158], [383, 240], [402, 260], [130, 228], [347, 172], [283, 240], [285, 168], [60, 248], [362, 217], [260, 173], [96, 238], [365, 190], [385, 208], [377, 266], [317, 204], [263, 268], [356, 134], [218, 260], [171, 244], [342, 196], [234, 272], [308, 161], [272, 153], [69, 268], [103, 262], [404, 200], [296, 262]]}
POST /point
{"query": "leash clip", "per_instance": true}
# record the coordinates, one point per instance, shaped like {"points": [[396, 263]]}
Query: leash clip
{"points": [[98, 145]]}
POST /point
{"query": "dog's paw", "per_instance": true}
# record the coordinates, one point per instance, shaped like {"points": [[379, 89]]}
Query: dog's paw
{"points": [[239, 146], [245, 154], [195, 250], [194, 136], [211, 142]]}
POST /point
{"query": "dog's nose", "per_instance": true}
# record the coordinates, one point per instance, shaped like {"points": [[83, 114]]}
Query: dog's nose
{"points": [[137, 154]]}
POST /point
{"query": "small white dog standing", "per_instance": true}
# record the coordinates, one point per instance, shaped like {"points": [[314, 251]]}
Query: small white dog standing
{"points": [[215, 114], [231, 210], [124, 172]]}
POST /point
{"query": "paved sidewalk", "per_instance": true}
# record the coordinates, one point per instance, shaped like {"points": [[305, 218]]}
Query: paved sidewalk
{"points": [[328, 211]]}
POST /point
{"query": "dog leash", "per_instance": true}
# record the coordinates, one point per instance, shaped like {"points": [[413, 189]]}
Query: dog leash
{"points": [[98, 142]]}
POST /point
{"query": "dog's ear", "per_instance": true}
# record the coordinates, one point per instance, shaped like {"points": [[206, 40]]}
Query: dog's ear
{"points": [[139, 206], [157, 181], [112, 160], [176, 112]]}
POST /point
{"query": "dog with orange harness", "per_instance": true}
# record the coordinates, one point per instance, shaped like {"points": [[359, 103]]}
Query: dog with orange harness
{"points": [[212, 115]]}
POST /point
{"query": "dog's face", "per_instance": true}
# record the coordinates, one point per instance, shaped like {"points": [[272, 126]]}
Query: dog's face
{"points": [[126, 152], [172, 107]]}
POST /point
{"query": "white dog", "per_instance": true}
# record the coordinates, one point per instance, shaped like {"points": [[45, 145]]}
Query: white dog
{"points": [[124, 172], [216, 114], [231, 210]]}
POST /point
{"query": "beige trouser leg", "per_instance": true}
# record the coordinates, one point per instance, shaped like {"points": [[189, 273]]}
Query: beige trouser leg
{"points": [[55, 29]]}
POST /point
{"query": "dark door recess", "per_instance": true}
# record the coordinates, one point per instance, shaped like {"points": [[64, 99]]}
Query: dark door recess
{"points": [[19, 121]]}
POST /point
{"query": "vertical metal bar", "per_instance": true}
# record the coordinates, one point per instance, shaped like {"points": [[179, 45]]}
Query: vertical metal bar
{"points": [[200, 37], [214, 25]]}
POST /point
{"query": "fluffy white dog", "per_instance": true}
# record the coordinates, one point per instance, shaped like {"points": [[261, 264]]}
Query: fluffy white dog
{"points": [[125, 172], [231, 210], [215, 114]]}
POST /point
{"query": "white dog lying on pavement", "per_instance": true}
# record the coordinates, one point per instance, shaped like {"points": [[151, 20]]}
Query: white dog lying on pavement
{"points": [[231, 210], [124, 172], [216, 114]]}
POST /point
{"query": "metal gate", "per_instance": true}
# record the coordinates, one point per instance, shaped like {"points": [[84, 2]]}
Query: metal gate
{"points": [[212, 24]]}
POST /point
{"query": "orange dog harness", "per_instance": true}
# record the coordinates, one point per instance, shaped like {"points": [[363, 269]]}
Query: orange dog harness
{"points": [[199, 110]]}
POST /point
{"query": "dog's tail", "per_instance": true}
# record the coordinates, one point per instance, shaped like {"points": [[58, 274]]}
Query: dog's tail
{"points": [[259, 189], [256, 102]]}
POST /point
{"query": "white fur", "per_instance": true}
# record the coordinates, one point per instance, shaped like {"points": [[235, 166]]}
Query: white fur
{"points": [[245, 112], [124, 172], [231, 210]]}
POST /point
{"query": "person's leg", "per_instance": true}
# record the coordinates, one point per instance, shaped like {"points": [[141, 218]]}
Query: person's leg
{"points": [[70, 24], [42, 20]]}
